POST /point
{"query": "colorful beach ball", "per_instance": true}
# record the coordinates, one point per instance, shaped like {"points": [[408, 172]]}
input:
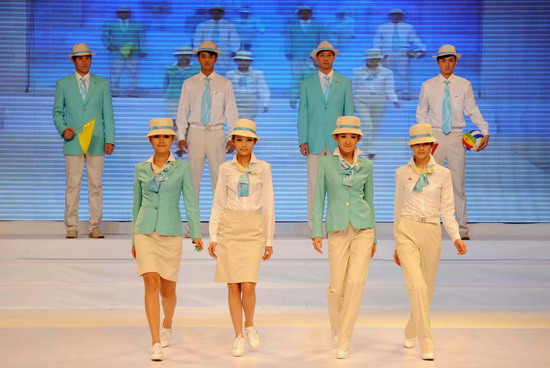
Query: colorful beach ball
{"points": [[472, 139]]}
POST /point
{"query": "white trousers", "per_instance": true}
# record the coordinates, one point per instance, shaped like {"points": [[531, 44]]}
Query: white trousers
{"points": [[450, 148], [419, 246], [74, 164], [312, 162], [370, 112], [349, 255], [398, 62], [202, 145], [128, 66]]}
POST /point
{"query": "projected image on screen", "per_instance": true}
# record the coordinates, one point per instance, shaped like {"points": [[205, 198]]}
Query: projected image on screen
{"points": [[145, 49]]}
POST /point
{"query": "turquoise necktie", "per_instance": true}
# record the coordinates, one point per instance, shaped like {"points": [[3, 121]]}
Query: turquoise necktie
{"points": [[206, 102], [395, 41], [327, 87], [447, 112], [83, 88]]}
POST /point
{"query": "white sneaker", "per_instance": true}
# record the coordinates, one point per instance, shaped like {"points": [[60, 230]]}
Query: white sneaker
{"points": [[156, 352], [408, 343], [428, 356], [165, 336], [238, 346], [341, 353], [253, 338]]}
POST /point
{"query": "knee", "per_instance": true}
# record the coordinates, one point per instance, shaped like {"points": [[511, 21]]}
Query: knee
{"points": [[168, 293], [151, 281], [248, 289], [234, 290]]}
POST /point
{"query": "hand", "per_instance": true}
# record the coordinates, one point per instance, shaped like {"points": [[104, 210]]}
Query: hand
{"points": [[318, 244], [267, 253], [68, 133], [182, 146], [198, 244], [396, 104], [373, 252], [265, 109], [304, 149], [396, 258], [484, 143], [229, 147], [134, 252], [109, 148], [212, 249], [461, 247], [293, 104]]}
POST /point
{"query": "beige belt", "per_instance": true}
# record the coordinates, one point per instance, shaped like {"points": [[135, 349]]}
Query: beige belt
{"points": [[201, 126], [452, 130], [431, 220]]}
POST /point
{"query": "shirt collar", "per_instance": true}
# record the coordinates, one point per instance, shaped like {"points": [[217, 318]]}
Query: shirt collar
{"points": [[211, 76], [442, 78], [412, 164], [170, 158], [253, 159], [356, 154], [330, 75], [86, 77]]}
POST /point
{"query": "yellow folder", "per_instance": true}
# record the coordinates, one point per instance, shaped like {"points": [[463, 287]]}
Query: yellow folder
{"points": [[85, 136]]}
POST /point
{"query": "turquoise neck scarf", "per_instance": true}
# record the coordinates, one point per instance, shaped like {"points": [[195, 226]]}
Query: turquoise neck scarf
{"points": [[244, 181], [154, 183], [423, 179]]}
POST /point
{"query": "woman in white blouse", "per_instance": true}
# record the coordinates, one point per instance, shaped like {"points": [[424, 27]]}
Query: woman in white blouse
{"points": [[423, 193], [242, 225]]}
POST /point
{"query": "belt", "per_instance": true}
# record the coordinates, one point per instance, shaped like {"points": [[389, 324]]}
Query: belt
{"points": [[452, 130], [431, 220], [201, 126]]}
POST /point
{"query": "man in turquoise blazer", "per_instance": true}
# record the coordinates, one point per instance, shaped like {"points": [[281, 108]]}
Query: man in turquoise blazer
{"points": [[80, 98], [324, 97]]}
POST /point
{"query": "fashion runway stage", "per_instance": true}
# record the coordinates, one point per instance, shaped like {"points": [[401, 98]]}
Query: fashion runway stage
{"points": [[67, 303]]}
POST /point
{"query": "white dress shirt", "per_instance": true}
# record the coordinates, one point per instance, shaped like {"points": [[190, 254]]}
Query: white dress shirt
{"points": [[463, 102], [322, 78], [250, 84], [377, 81], [435, 199], [260, 196], [223, 106], [86, 78], [157, 169]]}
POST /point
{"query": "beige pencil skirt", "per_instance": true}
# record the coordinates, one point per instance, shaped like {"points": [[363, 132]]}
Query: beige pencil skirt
{"points": [[158, 253], [241, 241]]}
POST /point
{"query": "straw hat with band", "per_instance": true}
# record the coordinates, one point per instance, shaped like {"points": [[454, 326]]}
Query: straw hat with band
{"points": [[81, 49], [324, 46], [208, 46], [245, 128], [447, 50], [348, 124], [161, 126], [421, 133]]}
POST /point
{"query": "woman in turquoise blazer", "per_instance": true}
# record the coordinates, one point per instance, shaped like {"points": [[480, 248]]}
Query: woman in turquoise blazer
{"points": [[157, 229], [346, 179]]}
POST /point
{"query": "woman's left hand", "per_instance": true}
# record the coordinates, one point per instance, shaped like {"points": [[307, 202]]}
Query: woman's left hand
{"points": [[373, 252], [461, 247], [198, 244], [268, 251]]}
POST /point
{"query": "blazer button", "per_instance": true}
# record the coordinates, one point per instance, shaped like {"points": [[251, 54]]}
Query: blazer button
{"points": [[84, 109], [347, 203], [156, 208], [326, 107]]}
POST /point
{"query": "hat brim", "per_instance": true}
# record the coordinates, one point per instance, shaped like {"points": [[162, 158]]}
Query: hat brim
{"points": [[347, 130], [190, 53], [243, 58], [161, 132], [422, 140], [314, 53], [458, 56], [196, 51], [244, 133], [70, 56]]}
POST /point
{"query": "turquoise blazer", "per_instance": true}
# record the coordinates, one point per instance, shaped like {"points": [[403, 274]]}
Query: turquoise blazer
{"points": [[354, 204], [300, 42], [70, 111], [114, 36], [317, 116], [160, 211]]}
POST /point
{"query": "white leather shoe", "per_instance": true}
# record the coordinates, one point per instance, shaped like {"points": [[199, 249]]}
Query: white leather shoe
{"points": [[253, 338], [156, 352], [165, 336], [341, 353], [408, 343], [238, 346], [428, 356]]}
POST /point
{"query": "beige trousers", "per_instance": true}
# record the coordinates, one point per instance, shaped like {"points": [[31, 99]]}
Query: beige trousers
{"points": [[312, 163], [418, 246], [202, 145], [349, 255], [74, 164]]}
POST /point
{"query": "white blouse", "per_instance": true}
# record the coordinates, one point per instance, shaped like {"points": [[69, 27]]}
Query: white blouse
{"points": [[433, 201], [260, 196]]}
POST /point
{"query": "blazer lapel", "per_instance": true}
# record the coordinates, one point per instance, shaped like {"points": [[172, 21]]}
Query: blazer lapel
{"points": [[334, 86], [74, 86], [317, 86], [91, 88]]}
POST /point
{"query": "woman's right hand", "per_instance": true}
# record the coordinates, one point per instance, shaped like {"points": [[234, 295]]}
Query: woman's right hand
{"points": [[212, 249], [318, 244], [396, 258], [134, 252]]}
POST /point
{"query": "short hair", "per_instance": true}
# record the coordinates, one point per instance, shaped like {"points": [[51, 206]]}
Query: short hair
{"points": [[211, 53], [75, 56], [320, 51], [445, 56]]}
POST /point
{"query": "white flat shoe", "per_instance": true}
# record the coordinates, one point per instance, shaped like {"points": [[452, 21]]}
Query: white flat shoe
{"points": [[408, 343], [156, 352], [253, 337], [238, 346], [341, 353], [428, 356], [165, 336]]}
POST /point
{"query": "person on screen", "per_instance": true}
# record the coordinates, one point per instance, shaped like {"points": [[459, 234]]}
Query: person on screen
{"points": [[309, 69], [242, 224], [324, 96], [399, 44], [423, 194], [443, 102], [301, 36], [342, 28], [125, 40], [83, 116], [207, 102], [248, 27], [159, 184], [372, 88], [222, 33], [346, 178], [251, 90], [174, 76]]}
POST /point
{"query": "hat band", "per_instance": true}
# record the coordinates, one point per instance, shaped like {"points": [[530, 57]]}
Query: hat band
{"points": [[445, 53], [162, 127], [82, 52], [207, 49], [243, 128], [348, 126], [420, 136]]}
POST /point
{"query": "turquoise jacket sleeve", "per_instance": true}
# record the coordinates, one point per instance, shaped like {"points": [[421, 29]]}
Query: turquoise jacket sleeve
{"points": [[191, 203], [302, 114], [137, 201], [108, 114]]}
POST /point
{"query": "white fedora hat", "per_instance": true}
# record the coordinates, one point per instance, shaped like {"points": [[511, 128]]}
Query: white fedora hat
{"points": [[421, 133], [396, 11], [324, 46], [348, 124], [161, 126], [81, 49], [447, 50], [303, 7], [244, 127], [208, 46], [243, 55], [373, 54], [184, 50]]}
